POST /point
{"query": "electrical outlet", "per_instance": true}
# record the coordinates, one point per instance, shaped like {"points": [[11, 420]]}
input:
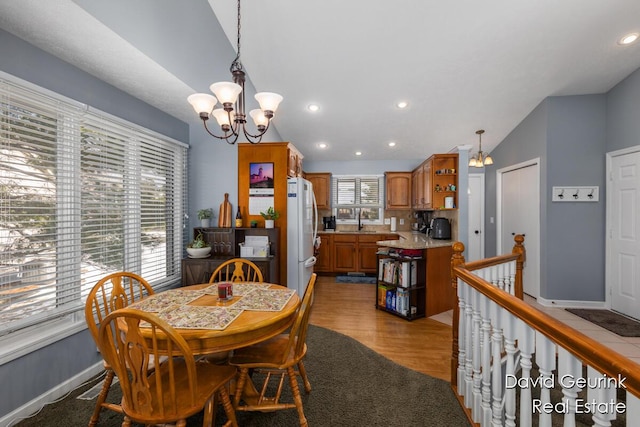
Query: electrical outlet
{"points": [[401, 221], [387, 221]]}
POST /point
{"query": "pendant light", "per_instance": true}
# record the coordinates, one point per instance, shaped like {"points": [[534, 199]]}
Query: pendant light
{"points": [[481, 158], [232, 121]]}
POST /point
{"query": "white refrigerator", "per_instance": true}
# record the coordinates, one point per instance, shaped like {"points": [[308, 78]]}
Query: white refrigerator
{"points": [[302, 232]]}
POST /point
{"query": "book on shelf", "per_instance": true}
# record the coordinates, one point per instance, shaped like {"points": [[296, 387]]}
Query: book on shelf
{"points": [[400, 273]]}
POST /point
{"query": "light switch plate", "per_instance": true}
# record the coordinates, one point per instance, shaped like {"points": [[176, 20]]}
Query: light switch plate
{"points": [[387, 221]]}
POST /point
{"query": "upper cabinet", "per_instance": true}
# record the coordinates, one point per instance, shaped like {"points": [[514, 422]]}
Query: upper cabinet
{"points": [[438, 180], [321, 182], [295, 162], [398, 190]]}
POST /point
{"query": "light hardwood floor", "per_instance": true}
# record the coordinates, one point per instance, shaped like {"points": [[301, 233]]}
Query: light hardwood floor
{"points": [[423, 344]]}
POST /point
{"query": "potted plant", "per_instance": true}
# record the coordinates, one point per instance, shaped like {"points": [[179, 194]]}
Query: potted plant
{"points": [[198, 248], [270, 215], [205, 215]]}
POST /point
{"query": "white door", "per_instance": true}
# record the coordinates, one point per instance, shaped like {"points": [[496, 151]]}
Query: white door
{"points": [[475, 239], [519, 213], [623, 206]]}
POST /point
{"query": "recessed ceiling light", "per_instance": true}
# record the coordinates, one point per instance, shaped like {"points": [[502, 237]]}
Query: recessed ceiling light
{"points": [[392, 144], [628, 39], [358, 153], [402, 104], [322, 145], [313, 107]]}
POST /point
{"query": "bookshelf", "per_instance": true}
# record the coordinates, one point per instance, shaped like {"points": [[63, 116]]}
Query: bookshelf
{"points": [[401, 284]]}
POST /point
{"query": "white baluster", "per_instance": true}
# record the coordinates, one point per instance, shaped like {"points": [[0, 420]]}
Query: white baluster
{"points": [[512, 277], [633, 407], [504, 278], [496, 366], [468, 365], [546, 361], [477, 374], [510, 348], [485, 419], [526, 344], [569, 370], [601, 394], [462, 287]]}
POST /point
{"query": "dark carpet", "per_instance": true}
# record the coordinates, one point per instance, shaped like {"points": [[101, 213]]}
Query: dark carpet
{"points": [[610, 320], [351, 386], [355, 279]]}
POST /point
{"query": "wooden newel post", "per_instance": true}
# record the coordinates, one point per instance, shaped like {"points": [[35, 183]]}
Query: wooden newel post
{"points": [[456, 259], [519, 249]]}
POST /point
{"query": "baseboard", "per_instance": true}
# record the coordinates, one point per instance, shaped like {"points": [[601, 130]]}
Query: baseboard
{"points": [[571, 303], [62, 389]]}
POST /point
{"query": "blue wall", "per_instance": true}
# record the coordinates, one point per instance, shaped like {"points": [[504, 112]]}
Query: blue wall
{"points": [[29, 376], [571, 135]]}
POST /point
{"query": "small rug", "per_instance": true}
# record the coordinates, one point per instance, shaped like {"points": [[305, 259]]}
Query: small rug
{"points": [[355, 279], [614, 322]]}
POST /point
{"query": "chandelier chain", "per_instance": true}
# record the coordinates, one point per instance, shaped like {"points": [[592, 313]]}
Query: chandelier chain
{"points": [[236, 64]]}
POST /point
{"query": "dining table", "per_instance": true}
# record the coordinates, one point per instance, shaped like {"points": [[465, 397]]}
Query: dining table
{"points": [[255, 312]]}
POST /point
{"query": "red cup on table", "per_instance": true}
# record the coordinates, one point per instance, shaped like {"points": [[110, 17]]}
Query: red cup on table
{"points": [[225, 291]]}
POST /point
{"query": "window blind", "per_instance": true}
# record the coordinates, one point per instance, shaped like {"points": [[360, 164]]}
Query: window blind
{"points": [[357, 191], [82, 194]]}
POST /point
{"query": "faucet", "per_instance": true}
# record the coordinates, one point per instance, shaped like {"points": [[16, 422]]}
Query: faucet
{"points": [[359, 221]]}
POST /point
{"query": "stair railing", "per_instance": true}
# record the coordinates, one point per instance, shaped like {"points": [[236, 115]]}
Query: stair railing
{"points": [[505, 352]]}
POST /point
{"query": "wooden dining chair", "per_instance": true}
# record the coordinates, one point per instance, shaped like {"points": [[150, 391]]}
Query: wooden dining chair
{"points": [[177, 388], [112, 292], [237, 270], [279, 355]]}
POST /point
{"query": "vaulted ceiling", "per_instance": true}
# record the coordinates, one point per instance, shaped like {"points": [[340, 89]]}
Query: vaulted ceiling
{"points": [[461, 66]]}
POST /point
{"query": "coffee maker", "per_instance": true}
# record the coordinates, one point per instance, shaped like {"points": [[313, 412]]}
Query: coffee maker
{"points": [[329, 222]]}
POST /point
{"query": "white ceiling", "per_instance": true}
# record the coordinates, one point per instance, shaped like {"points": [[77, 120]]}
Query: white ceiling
{"points": [[461, 65]]}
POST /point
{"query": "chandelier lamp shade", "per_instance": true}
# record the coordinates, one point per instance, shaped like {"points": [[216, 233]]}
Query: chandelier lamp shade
{"points": [[480, 159], [231, 116]]}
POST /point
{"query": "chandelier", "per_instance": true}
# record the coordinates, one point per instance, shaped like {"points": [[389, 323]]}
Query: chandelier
{"points": [[232, 121], [481, 158]]}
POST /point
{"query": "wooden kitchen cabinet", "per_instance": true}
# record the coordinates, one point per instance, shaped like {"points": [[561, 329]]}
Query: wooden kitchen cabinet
{"points": [[435, 179], [357, 252], [295, 162], [417, 187], [398, 190], [324, 255], [280, 154], [367, 248], [321, 182], [444, 180], [344, 253]]}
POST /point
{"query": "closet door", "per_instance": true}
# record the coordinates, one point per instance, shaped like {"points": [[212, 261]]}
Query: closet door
{"points": [[520, 214]]}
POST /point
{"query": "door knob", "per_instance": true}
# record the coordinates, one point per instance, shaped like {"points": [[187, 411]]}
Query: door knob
{"points": [[477, 231]]}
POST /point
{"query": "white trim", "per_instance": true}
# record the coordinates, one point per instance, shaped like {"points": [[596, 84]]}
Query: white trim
{"points": [[607, 245], [499, 249], [18, 344], [51, 395], [482, 201], [499, 173], [571, 303]]}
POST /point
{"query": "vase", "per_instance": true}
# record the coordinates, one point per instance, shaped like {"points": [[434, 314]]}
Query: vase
{"points": [[268, 223], [204, 223]]}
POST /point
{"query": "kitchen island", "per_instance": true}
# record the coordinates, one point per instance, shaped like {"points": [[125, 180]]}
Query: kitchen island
{"points": [[429, 288]]}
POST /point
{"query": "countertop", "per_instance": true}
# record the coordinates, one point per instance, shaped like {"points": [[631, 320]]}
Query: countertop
{"points": [[408, 239], [414, 240]]}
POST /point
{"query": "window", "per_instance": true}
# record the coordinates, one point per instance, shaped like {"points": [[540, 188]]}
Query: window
{"points": [[82, 194], [357, 197]]}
